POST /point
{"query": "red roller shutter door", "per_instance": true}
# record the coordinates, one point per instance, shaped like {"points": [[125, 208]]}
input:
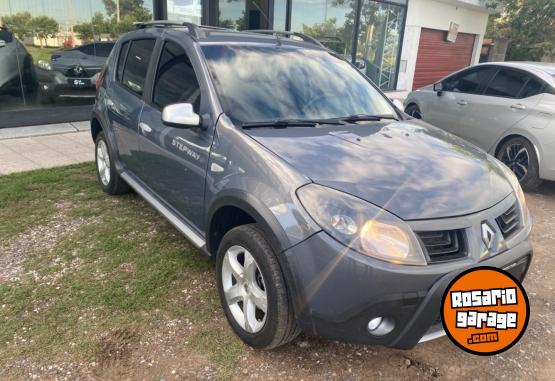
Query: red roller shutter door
{"points": [[438, 58]]}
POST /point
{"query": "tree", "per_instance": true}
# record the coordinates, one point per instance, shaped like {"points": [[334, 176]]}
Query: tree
{"points": [[133, 8], [44, 27], [90, 31], [528, 25], [19, 24]]}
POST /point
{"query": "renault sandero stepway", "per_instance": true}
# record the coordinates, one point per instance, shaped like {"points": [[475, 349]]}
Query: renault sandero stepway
{"points": [[326, 209]]}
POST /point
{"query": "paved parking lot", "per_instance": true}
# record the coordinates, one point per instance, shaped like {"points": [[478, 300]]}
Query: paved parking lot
{"points": [[28, 148]]}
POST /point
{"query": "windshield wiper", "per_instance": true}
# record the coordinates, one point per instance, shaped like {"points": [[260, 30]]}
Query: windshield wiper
{"points": [[365, 117], [289, 123]]}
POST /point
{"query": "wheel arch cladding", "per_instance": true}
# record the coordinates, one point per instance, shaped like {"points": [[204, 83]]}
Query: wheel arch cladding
{"points": [[239, 208], [96, 128]]}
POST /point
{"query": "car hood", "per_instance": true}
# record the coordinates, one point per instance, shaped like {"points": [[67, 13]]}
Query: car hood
{"points": [[409, 168]]}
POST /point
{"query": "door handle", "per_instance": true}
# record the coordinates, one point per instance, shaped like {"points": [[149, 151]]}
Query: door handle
{"points": [[518, 106], [145, 127], [462, 102]]}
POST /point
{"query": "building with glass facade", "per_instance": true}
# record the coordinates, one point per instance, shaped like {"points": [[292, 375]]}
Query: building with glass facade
{"points": [[51, 50]]}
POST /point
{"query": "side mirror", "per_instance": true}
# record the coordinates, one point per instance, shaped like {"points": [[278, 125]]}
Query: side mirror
{"points": [[438, 88], [180, 115], [398, 104], [2, 43]]}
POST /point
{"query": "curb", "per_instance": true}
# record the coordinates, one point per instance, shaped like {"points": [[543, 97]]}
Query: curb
{"points": [[45, 129]]}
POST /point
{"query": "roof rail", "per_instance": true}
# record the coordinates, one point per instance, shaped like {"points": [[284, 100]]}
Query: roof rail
{"points": [[193, 28], [302, 36]]}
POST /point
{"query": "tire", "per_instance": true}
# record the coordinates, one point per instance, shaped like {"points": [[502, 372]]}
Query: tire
{"points": [[45, 97], [520, 156], [414, 111], [277, 326], [108, 178]]}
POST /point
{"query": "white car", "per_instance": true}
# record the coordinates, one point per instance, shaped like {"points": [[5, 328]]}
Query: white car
{"points": [[506, 108]]}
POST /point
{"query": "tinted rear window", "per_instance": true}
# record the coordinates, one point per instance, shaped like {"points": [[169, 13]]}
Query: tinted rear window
{"points": [[136, 65], [507, 83], [532, 87]]}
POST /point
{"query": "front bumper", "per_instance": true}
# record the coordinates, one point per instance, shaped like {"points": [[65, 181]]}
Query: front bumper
{"points": [[56, 84], [336, 291]]}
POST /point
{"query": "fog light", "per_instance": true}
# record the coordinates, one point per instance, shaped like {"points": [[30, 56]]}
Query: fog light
{"points": [[45, 87], [380, 326]]}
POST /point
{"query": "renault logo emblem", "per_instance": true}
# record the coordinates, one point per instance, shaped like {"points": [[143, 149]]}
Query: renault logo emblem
{"points": [[488, 235]]}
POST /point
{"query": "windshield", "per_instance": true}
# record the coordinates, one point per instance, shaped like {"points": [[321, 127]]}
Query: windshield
{"points": [[266, 83]]}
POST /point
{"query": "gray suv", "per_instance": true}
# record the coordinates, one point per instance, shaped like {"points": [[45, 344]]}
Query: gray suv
{"points": [[326, 209]]}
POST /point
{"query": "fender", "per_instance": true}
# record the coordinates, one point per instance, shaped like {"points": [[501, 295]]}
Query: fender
{"points": [[256, 209]]}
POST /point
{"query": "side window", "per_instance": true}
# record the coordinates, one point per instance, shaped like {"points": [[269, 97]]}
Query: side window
{"points": [[471, 81], [121, 59], [532, 87], [507, 83], [136, 65], [176, 81]]}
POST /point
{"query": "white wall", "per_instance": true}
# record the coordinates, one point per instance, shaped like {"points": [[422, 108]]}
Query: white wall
{"points": [[438, 14]]}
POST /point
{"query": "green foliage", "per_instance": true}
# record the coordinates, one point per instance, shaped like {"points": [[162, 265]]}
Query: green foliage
{"points": [[18, 24], [24, 25], [528, 25]]}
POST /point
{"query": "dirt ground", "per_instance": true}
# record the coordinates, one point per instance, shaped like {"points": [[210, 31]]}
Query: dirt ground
{"points": [[181, 333]]}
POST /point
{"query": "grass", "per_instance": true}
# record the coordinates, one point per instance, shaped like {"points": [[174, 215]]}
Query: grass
{"points": [[99, 264], [39, 53]]}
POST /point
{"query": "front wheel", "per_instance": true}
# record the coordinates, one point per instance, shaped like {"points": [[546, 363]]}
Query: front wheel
{"points": [[252, 289], [520, 156]]}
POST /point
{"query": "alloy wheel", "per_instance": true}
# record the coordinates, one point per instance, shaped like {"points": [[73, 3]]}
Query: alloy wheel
{"points": [[414, 112], [244, 289], [103, 162], [517, 158]]}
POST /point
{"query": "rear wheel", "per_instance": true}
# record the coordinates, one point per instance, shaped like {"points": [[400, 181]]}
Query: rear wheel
{"points": [[252, 289], [109, 179], [520, 156], [414, 111]]}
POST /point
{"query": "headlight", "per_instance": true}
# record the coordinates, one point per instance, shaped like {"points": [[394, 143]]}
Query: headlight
{"points": [[362, 226], [44, 65], [515, 184]]}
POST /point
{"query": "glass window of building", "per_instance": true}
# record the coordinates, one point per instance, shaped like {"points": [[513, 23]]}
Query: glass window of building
{"points": [[379, 40], [185, 10], [54, 50], [243, 14], [330, 21]]}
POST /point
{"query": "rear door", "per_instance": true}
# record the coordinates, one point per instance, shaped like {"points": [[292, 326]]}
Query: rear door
{"points": [[125, 98], [175, 159], [508, 98]]}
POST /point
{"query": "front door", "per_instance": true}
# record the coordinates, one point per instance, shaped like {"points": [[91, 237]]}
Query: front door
{"points": [[453, 109], [173, 159]]}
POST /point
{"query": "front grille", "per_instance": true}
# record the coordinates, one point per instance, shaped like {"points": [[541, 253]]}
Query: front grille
{"points": [[509, 221], [444, 245]]}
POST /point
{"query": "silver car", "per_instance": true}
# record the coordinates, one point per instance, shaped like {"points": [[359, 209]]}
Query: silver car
{"points": [[506, 108]]}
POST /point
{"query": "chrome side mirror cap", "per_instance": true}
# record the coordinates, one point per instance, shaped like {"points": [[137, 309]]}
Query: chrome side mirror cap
{"points": [[180, 115]]}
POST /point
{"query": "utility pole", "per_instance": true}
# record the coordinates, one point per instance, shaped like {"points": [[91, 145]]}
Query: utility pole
{"points": [[117, 11]]}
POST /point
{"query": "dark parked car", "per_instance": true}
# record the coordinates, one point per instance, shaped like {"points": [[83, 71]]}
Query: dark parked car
{"points": [[72, 73], [325, 208], [16, 65]]}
